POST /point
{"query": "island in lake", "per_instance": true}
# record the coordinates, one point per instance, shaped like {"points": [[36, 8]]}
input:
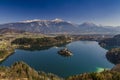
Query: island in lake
{"points": [[20, 70], [33, 41]]}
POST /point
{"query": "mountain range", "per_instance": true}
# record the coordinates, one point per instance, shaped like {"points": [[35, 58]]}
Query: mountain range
{"points": [[8, 31], [59, 26]]}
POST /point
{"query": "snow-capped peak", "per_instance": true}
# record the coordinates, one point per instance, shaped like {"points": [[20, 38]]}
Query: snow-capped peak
{"points": [[57, 20], [28, 21], [88, 24]]}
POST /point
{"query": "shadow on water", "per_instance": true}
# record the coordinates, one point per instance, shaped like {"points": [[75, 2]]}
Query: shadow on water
{"points": [[35, 48], [110, 47], [38, 48], [86, 57]]}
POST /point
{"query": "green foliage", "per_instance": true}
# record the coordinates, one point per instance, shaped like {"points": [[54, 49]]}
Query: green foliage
{"points": [[113, 55], [105, 75], [37, 43], [20, 70], [115, 41], [5, 53]]}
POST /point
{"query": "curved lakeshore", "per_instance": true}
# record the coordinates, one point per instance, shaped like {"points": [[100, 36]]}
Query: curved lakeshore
{"points": [[5, 53], [7, 48], [22, 71], [28, 43], [49, 61], [38, 43]]}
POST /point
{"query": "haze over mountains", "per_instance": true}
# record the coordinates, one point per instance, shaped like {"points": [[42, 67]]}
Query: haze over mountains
{"points": [[59, 26]]}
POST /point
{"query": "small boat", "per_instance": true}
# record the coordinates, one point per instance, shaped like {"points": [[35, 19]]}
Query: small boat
{"points": [[65, 52]]}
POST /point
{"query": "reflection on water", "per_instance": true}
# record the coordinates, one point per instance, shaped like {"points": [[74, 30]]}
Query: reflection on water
{"points": [[37, 48], [87, 55]]}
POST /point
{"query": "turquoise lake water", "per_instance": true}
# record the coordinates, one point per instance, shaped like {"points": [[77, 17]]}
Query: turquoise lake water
{"points": [[88, 56]]}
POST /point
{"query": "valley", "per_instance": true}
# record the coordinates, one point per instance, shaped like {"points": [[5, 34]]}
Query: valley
{"points": [[14, 42], [32, 42], [59, 39]]}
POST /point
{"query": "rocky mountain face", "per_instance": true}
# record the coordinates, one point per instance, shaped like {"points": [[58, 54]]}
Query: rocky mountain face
{"points": [[59, 26], [92, 28]]}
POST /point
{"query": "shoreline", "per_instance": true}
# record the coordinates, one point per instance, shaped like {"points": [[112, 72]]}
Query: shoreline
{"points": [[7, 55], [47, 42], [12, 52]]}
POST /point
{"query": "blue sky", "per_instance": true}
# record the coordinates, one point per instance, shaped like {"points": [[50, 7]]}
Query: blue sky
{"points": [[105, 12]]}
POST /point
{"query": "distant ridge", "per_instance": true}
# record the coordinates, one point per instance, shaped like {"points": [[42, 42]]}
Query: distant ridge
{"points": [[59, 26], [7, 30]]}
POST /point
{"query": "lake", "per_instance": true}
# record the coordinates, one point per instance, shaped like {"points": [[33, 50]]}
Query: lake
{"points": [[88, 56]]}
